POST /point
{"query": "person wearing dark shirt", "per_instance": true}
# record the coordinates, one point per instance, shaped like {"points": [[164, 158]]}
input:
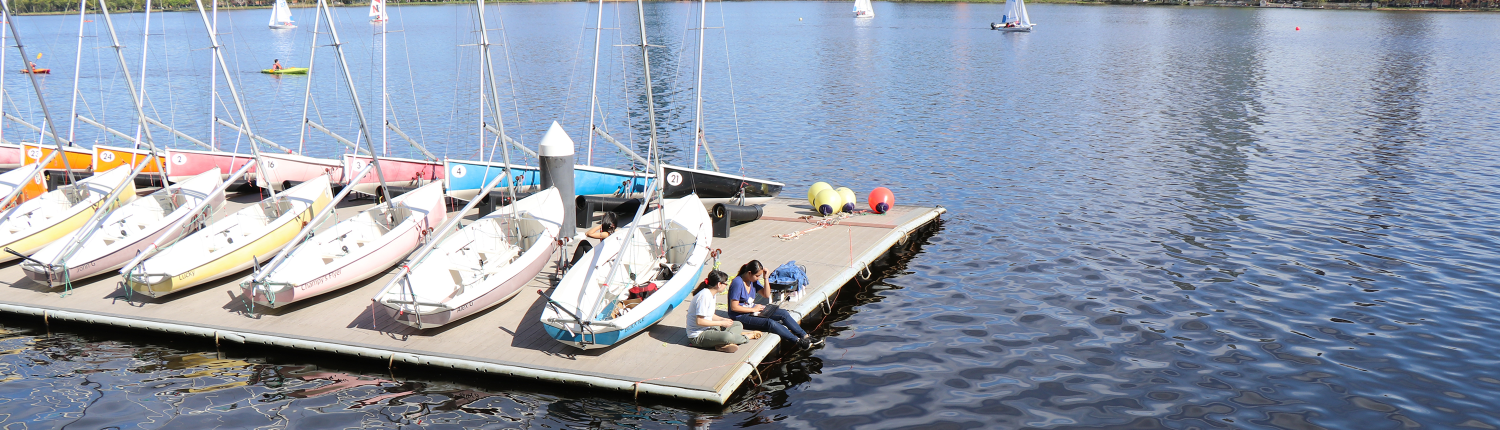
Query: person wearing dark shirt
{"points": [[606, 226], [742, 307]]}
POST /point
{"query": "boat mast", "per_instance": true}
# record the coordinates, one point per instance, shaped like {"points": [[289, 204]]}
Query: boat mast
{"points": [[15, 34], [594, 87], [244, 127], [213, 88], [136, 97], [77, 67], [385, 96], [91, 226], [640, 8], [307, 94], [698, 135], [338, 51]]}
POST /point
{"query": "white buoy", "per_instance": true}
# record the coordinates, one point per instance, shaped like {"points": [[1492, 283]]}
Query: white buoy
{"points": [[556, 156]]}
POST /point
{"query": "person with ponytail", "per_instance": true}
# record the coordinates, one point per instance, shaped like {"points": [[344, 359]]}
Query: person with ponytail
{"points": [[742, 307], [707, 330]]}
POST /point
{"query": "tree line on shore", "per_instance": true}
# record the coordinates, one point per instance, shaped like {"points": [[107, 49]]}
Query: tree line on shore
{"points": [[66, 6]]}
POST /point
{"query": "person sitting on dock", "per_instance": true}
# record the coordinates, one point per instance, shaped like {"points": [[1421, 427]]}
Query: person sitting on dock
{"points": [[704, 328], [276, 64], [742, 307], [599, 232]]}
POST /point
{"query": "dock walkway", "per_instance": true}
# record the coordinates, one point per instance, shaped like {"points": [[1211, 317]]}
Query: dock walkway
{"points": [[506, 339]]}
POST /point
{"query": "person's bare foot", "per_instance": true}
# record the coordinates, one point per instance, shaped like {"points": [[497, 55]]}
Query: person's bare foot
{"points": [[728, 348], [753, 335]]}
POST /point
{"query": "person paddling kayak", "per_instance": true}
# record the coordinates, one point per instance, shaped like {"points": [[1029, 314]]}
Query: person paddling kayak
{"points": [[276, 64]]}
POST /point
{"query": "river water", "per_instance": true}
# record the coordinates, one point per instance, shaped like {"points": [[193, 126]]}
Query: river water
{"points": [[1160, 217]]}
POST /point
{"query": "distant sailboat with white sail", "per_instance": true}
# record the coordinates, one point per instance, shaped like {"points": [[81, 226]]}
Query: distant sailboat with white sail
{"points": [[863, 9], [1015, 18], [377, 11], [281, 16]]}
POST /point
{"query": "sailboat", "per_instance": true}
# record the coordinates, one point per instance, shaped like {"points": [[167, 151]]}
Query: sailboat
{"points": [[590, 308], [231, 244], [377, 11], [488, 261], [239, 240], [1015, 18], [863, 9], [30, 226], [281, 16], [711, 187], [479, 266], [354, 249], [127, 231]]}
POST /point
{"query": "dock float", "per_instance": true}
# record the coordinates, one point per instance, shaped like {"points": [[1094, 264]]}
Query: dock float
{"points": [[507, 339]]}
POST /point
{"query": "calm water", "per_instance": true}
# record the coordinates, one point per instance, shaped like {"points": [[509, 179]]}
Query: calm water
{"points": [[1160, 217]]}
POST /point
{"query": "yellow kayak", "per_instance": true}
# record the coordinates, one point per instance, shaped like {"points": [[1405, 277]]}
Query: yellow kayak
{"points": [[286, 71]]}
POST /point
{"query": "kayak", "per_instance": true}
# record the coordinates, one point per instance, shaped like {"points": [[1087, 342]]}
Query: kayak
{"points": [[41, 71], [286, 71]]}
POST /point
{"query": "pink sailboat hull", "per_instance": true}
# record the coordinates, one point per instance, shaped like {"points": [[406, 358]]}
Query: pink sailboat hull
{"points": [[184, 163], [399, 172], [10, 156], [284, 170]]}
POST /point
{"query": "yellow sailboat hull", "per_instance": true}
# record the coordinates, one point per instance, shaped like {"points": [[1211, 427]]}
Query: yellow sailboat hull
{"points": [[34, 242], [262, 248]]}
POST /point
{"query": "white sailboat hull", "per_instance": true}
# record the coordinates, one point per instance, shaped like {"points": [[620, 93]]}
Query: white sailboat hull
{"points": [[686, 235], [478, 266], [352, 250], [128, 230]]}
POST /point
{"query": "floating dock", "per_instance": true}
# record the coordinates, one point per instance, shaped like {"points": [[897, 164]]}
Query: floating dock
{"points": [[507, 339]]}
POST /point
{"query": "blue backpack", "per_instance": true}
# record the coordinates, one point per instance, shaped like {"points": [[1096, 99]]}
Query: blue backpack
{"points": [[789, 276]]}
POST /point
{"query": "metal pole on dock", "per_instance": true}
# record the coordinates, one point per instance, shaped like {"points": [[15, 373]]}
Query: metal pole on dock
{"points": [[556, 159]]}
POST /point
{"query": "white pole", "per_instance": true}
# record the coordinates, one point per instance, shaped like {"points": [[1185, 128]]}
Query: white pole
{"points": [[594, 88], [384, 96], [213, 86], [698, 89], [307, 94]]}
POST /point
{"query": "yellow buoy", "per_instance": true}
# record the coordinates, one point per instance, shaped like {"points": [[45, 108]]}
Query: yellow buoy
{"points": [[849, 199], [827, 202], [812, 192]]}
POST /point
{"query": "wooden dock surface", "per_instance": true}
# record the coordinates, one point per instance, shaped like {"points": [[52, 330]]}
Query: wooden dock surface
{"points": [[506, 339]]}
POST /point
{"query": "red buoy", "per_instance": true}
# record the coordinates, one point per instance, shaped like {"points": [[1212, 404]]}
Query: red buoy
{"points": [[881, 200]]}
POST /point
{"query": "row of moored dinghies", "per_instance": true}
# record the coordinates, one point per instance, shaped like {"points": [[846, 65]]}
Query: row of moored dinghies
{"points": [[176, 238]]}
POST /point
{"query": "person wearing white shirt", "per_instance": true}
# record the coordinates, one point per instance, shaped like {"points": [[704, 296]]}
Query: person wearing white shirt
{"points": [[706, 329]]}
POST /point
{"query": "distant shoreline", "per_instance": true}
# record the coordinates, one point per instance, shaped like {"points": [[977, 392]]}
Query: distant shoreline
{"points": [[1185, 3]]}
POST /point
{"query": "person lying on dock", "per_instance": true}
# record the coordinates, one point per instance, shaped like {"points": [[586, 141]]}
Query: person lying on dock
{"points": [[706, 329], [742, 307], [599, 232]]}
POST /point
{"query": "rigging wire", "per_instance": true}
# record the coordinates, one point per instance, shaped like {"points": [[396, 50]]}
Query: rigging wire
{"points": [[733, 101], [411, 78]]}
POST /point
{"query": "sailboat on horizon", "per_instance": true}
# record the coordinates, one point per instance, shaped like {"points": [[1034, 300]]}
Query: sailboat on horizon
{"points": [[863, 9], [281, 16], [377, 11], [1015, 18]]}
